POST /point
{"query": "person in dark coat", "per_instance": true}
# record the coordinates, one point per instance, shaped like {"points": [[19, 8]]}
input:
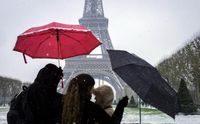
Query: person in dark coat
{"points": [[43, 100], [78, 109]]}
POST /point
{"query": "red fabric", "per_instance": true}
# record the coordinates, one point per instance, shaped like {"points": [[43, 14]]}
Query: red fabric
{"points": [[43, 42]]}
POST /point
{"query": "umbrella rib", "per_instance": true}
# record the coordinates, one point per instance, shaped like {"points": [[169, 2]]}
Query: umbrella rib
{"points": [[73, 39], [137, 65], [41, 44]]}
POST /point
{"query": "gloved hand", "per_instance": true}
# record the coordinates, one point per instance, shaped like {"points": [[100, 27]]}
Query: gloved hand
{"points": [[124, 101]]}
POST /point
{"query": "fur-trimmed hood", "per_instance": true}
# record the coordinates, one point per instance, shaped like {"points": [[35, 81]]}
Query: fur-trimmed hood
{"points": [[106, 94]]}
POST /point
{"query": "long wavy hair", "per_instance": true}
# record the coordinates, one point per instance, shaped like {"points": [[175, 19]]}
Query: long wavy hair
{"points": [[78, 93]]}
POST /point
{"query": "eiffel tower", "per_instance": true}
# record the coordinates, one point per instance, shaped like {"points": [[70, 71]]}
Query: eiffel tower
{"points": [[97, 65]]}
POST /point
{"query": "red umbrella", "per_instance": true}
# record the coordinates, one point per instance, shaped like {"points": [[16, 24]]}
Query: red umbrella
{"points": [[56, 41]]}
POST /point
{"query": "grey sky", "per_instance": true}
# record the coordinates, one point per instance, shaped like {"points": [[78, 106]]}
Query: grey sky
{"points": [[152, 29]]}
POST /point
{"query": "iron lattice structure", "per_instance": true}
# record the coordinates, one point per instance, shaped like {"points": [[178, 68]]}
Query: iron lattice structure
{"points": [[97, 65]]}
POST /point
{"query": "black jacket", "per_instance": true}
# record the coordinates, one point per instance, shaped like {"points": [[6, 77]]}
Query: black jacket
{"points": [[94, 113], [45, 104]]}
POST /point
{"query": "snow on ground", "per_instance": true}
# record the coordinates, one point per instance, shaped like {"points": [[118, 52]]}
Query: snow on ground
{"points": [[133, 118], [3, 118], [161, 119]]}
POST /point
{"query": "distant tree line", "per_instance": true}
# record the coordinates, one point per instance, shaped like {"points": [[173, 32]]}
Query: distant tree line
{"points": [[8, 88], [184, 64]]}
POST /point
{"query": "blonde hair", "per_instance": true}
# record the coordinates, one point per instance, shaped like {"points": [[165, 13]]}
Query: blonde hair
{"points": [[71, 105], [106, 94], [74, 100]]}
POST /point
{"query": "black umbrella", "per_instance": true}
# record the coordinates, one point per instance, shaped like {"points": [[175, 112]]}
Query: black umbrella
{"points": [[145, 80]]}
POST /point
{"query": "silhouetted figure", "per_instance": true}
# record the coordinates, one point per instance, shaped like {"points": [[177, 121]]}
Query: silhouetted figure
{"points": [[44, 101], [78, 109]]}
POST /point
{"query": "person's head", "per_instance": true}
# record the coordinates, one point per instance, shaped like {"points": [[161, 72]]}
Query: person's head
{"points": [[104, 96], [78, 93], [49, 75]]}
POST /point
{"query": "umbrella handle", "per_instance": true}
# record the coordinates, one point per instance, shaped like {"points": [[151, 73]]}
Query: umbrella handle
{"points": [[24, 58], [59, 63]]}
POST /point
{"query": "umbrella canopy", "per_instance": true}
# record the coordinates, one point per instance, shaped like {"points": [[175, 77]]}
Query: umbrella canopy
{"points": [[145, 80], [56, 41]]}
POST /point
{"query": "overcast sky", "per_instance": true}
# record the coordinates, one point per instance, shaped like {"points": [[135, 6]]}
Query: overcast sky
{"points": [[152, 29]]}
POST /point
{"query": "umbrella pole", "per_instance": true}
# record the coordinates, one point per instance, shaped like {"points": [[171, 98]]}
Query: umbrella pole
{"points": [[58, 44], [140, 110], [59, 63]]}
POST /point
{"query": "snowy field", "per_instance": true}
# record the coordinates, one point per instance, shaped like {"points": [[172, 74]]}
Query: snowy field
{"points": [[132, 117], [3, 117], [160, 119]]}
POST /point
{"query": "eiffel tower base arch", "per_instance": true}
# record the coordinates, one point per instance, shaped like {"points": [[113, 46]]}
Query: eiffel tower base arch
{"points": [[99, 69]]}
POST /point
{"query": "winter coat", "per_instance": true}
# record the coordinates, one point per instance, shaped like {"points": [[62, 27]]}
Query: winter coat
{"points": [[43, 99], [93, 114], [45, 104]]}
